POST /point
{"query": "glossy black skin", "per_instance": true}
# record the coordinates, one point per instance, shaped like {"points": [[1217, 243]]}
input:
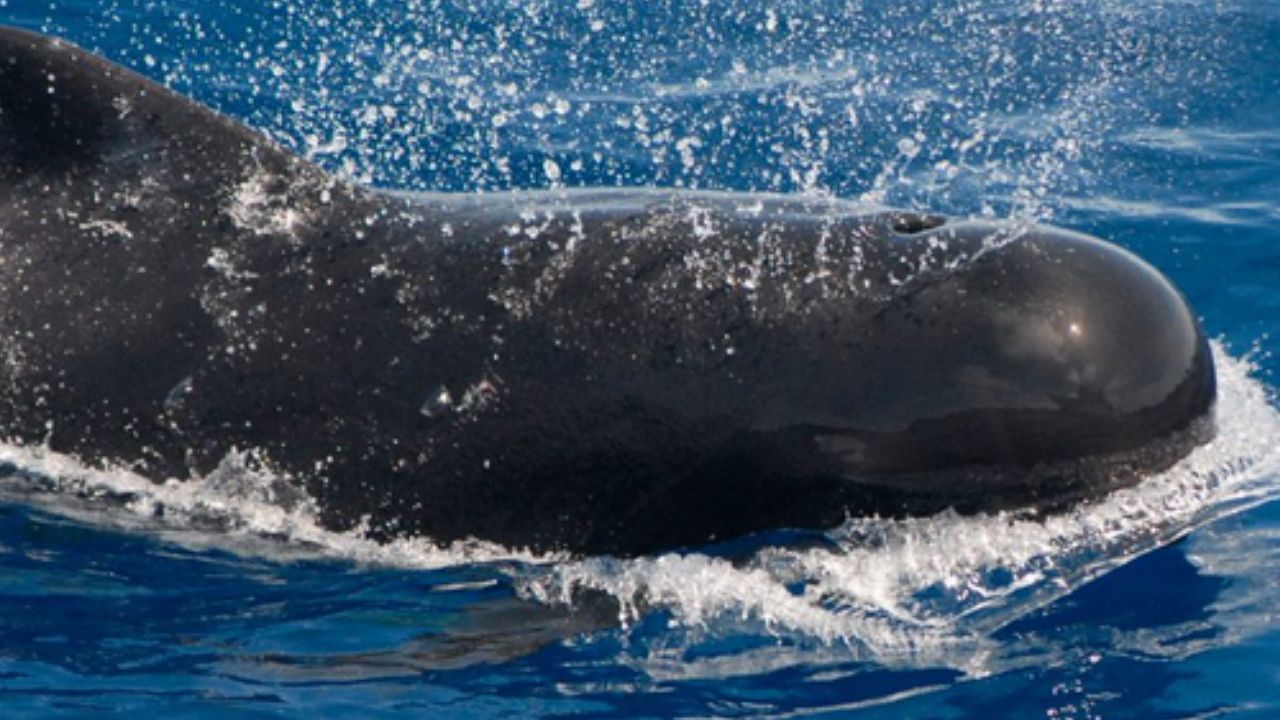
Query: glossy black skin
{"points": [[646, 370]]}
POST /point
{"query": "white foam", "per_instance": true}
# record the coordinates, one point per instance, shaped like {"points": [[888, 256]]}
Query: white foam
{"points": [[898, 590], [255, 207], [921, 586], [237, 507]]}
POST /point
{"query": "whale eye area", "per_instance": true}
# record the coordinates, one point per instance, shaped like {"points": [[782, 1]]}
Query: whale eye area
{"points": [[913, 223]]}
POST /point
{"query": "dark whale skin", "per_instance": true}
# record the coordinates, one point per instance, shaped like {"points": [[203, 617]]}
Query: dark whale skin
{"points": [[595, 372]]}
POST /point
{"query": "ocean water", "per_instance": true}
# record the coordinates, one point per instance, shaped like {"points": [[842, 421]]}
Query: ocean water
{"points": [[1148, 122]]}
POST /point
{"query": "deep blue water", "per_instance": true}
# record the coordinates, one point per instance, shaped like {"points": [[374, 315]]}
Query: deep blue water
{"points": [[1151, 123]]}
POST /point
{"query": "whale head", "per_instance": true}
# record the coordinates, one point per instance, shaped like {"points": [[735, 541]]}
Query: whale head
{"points": [[1046, 367]]}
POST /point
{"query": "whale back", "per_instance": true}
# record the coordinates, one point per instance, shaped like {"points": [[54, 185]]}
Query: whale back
{"points": [[111, 197], [140, 233]]}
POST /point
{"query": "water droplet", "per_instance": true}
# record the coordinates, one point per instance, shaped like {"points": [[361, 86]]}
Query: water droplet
{"points": [[552, 170], [178, 394], [437, 403]]}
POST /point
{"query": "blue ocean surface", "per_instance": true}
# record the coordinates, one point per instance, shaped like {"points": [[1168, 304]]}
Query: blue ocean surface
{"points": [[1152, 123]]}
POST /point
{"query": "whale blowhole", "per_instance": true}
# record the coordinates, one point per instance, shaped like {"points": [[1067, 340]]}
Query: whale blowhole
{"points": [[915, 223]]}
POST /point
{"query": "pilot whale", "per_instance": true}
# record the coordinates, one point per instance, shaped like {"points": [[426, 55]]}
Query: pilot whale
{"points": [[593, 372]]}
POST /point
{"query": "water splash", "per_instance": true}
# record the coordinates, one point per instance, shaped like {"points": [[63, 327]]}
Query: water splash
{"points": [[1017, 116], [924, 590], [920, 588]]}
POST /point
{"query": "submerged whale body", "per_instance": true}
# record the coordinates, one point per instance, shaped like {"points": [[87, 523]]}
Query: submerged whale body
{"points": [[595, 372]]}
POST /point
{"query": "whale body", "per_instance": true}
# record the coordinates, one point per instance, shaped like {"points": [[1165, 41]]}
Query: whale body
{"points": [[595, 372]]}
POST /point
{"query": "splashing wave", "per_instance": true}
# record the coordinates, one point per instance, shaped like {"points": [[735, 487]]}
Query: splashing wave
{"points": [[918, 588]]}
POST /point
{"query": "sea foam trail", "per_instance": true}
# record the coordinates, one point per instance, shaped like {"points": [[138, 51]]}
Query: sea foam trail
{"points": [[900, 584], [884, 587]]}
